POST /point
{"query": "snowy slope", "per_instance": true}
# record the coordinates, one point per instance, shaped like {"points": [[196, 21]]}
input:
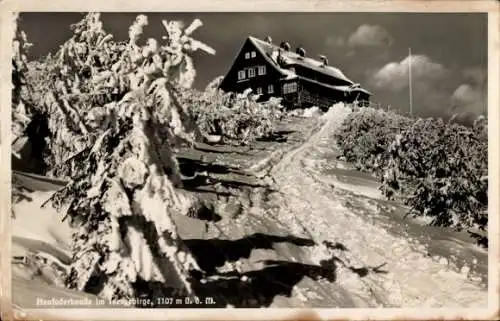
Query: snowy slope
{"points": [[326, 208], [324, 237]]}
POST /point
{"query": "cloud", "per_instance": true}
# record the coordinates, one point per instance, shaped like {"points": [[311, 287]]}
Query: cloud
{"points": [[470, 97], [431, 86], [364, 36], [436, 90], [475, 75], [370, 35], [465, 93], [394, 76]]}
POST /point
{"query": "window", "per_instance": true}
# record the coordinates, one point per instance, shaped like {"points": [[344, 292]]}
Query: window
{"points": [[259, 91], [241, 74], [270, 89], [247, 55], [251, 72], [254, 54], [290, 88], [262, 70]]}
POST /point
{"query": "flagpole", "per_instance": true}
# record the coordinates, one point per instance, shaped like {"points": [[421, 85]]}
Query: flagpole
{"points": [[409, 80]]}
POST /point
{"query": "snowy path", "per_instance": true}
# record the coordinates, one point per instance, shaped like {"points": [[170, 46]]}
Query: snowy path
{"points": [[407, 277]]}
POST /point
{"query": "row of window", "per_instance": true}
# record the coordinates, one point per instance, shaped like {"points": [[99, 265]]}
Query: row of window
{"points": [[249, 55], [250, 72], [270, 90], [287, 88], [290, 87]]}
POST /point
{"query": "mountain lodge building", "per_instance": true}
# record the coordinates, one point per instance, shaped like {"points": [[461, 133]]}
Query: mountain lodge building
{"points": [[275, 71]]}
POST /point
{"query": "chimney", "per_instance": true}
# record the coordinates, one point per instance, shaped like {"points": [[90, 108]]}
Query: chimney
{"points": [[268, 39], [301, 52], [285, 46], [324, 60], [279, 59]]}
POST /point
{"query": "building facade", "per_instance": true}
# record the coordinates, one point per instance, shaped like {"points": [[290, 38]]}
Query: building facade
{"points": [[277, 71]]}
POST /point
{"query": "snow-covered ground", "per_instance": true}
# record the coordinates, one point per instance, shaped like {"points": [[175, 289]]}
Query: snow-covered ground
{"points": [[324, 237], [345, 208]]}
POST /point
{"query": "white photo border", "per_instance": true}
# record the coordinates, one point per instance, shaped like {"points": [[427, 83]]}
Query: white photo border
{"points": [[7, 8]]}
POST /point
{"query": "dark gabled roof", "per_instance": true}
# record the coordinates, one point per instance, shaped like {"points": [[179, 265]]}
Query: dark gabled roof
{"points": [[270, 52]]}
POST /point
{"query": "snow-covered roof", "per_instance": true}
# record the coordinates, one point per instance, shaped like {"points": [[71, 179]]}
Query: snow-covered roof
{"points": [[345, 88], [270, 52]]}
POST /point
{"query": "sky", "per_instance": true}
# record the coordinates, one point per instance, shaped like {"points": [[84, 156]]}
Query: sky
{"points": [[449, 50]]}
